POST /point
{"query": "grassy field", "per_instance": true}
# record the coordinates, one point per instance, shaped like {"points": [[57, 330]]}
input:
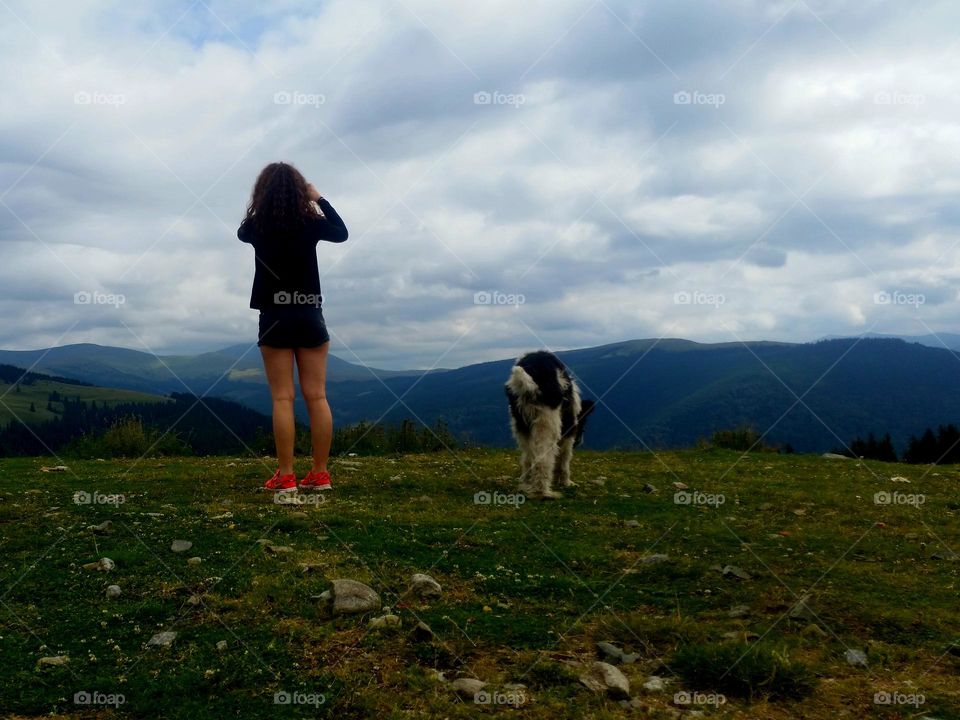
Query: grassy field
{"points": [[528, 589], [18, 403]]}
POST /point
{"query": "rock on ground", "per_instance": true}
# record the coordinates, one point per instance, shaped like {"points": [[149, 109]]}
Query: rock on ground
{"points": [[54, 661], [611, 652], [179, 546], [350, 597], [604, 677], [467, 688], [384, 622], [113, 591], [857, 658], [162, 639], [424, 586]]}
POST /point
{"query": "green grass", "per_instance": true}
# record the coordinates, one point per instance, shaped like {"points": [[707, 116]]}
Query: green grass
{"points": [[18, 403], [527, 590]]}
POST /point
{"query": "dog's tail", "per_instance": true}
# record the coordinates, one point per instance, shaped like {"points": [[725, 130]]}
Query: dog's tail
{"points": [[521, 384]]}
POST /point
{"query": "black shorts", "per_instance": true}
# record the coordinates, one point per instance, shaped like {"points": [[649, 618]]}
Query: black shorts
{"points": [[292, 327]]}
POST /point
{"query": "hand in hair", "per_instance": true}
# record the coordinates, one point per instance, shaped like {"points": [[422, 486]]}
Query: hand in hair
{"points": [[312, 193]]}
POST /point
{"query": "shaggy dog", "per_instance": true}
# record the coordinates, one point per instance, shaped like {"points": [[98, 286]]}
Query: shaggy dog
{"points": [[547, 417]]}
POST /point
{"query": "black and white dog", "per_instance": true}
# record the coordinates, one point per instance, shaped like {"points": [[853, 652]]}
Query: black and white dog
{"points": [[547, 417]]}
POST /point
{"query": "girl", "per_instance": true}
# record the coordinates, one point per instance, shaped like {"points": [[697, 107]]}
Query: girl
{"points": [[284, 227]]}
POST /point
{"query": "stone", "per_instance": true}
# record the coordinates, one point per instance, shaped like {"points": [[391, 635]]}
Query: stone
{"points": [[857, 658], [179, 546], [739, 611], [835, 456], [351, 597], [104, 564], [162, 639], [654, 559], [222, 645], [384, 622], [632, 523], [422, 632], [279, 549], [615, 655], [113, 592], [732, 571], [104, 528], [467, 688], [680, 485], [604, 677], [648, 488], [654, 684], [424, 586], [54, 661]]}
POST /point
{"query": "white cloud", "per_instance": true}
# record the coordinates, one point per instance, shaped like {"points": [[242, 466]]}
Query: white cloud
{"points": [[827, 174]]}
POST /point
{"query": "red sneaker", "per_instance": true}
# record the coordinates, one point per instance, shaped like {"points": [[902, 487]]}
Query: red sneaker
{"points": [[281, 482], [316, 481]]}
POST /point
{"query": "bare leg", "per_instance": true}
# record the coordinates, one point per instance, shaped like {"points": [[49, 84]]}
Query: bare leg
{"points": [[278, 364], [312, 366]]}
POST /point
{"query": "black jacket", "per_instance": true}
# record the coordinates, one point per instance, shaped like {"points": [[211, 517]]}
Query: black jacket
{"points": [[286, 263]]}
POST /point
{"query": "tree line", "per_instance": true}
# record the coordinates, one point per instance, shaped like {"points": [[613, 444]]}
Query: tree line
{"points": [[188, 425], [938, 448]]}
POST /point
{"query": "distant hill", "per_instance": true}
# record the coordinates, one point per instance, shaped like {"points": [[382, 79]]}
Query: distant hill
{"points": [[21, 390], [234, 373], [949, 341], [663, 393]]}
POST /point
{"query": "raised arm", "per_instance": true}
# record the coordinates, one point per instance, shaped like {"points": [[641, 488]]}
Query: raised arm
{"points": [[330, 227], [243, 232]]}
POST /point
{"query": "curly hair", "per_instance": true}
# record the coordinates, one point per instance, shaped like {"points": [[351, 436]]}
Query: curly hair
{"points": [[280, 201]]}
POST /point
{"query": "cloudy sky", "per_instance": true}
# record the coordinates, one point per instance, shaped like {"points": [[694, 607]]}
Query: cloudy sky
{"points": [[556, 173]]}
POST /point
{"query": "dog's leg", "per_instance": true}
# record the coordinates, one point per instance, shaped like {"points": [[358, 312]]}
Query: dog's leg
{"points": [[564, 455], [544, 435], [526, 464]]}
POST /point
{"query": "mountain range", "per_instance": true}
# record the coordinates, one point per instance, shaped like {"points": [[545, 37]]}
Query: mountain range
{"points": [[654, 393]]}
